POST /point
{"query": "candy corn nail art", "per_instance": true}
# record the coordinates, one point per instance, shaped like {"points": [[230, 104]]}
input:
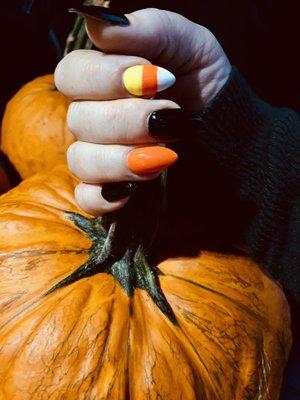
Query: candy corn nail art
{"points": [[146, 80], [151, 159]]}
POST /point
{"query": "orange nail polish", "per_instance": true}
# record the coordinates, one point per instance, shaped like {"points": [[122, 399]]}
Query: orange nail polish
{"points": [[147, 160]]}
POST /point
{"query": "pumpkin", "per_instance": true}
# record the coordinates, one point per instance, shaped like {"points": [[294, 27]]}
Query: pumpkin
{"points": [[84, 314], [34, 132]]}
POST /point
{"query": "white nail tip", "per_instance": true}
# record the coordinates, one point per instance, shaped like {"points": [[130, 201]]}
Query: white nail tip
{"points": [[165, 79]]}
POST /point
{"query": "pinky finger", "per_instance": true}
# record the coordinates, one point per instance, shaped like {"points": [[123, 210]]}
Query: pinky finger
{"points": [[90, 199]]}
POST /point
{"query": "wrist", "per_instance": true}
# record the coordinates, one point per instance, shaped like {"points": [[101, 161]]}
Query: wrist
{"points": [[216, 68], [213, 70], [217, 76]]}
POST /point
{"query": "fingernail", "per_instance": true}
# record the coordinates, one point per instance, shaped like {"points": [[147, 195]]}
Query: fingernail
{"points": [[146, 80], [101, 14], [147, 160], [171, 124], [117, 190]]}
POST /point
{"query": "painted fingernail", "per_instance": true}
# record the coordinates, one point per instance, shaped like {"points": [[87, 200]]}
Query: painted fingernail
{"points": [[147, 160], [117, 190], [172, 124], [146, 80], [101, 14]]}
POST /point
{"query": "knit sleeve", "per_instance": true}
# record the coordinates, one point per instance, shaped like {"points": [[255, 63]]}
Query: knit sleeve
{"points": [[260, 147]]}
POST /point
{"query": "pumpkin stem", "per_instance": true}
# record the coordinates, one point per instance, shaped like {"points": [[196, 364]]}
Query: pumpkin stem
{"points": [[78, 38], [121, 244]]}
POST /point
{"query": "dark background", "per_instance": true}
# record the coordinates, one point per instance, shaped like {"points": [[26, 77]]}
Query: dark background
{"points": [[260, 37]]}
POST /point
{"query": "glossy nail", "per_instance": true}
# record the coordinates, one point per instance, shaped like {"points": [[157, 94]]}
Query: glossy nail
{"points": [[147, 160], [117, 190], [101, 14], [172, 124], [146, 80]]}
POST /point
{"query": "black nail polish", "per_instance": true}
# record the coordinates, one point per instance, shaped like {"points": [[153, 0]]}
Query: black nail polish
{"points": [[118, 191], [171, 124], [101, 14]]}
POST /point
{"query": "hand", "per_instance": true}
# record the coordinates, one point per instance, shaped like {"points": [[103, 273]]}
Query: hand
{"points": [[116, 131]]}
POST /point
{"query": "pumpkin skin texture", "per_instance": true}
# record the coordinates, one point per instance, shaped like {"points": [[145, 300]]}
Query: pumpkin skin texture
{"points": [[34, 133], [91, 340]]}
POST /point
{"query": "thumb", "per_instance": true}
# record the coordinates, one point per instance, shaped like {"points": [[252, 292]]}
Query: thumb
{"points": [[163, 37]]}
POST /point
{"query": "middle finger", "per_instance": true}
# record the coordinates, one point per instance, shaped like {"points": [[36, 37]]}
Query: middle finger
{"points": [[124, 121]]}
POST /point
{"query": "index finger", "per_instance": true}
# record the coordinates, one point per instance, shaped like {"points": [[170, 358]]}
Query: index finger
{"points": [[92, 75]]}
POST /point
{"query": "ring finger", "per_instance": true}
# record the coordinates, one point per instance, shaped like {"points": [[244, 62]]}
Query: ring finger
{"points": [[96, 163]]}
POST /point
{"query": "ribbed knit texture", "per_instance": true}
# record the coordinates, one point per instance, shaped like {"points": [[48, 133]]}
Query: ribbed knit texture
{"points": [[260, 146]]}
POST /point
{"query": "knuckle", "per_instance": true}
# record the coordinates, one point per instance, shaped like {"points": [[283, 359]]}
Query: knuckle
{"points": [[73, 111], [58, 76], [81, 197], [162, 20], [61, 72], [64, 71], [73, 149], [72, 156], [64, 63]]}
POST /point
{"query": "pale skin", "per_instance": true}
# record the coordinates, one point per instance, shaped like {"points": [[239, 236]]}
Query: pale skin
{"points": [[109, 122]]}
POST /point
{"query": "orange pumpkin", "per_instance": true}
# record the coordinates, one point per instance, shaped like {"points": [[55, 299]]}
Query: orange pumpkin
{"points": [[83, 315], [34, 133]]}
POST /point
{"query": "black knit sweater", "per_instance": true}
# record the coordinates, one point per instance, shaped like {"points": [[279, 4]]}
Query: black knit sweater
{"points": [[245, 188], [260, 146]]}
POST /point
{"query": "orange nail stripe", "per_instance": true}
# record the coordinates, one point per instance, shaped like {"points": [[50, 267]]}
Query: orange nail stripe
{"points": [[146, 80], [146, 160], [149, 80]]}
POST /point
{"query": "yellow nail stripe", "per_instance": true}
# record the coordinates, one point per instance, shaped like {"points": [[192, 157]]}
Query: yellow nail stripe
{"points": [[132, 80]]}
